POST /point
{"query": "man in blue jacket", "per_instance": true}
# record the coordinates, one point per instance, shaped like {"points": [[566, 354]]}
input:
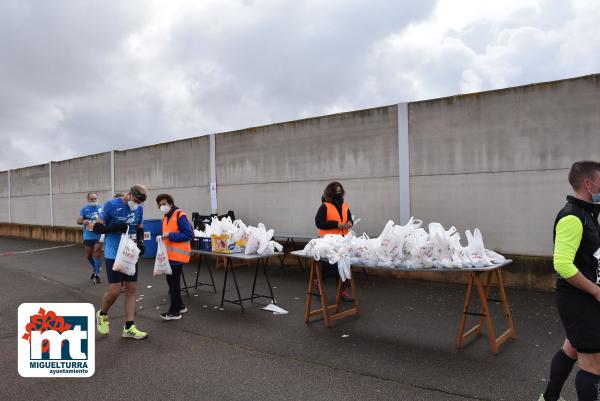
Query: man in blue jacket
{"points": [[93, 248], [119, 216]]}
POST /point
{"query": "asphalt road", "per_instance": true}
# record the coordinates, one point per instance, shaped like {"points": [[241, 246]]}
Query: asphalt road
{"points": [[401, 348]]}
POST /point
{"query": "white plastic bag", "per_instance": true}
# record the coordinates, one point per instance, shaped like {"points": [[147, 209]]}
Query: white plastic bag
{"points": [[253, 240], [127, 256], [264, 239], [161, 263], [476, 249]]}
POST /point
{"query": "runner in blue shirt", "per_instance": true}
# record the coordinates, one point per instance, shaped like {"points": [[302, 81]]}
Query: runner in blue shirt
{"points": [[121, 215], [93, 248]]}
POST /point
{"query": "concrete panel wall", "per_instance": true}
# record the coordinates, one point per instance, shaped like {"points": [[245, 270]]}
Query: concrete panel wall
{"points": [[514, 211], [180, 164], [180, 168], [541, 126], [73, 179], [30, 201], [276, 174], [499, 160], [4, 209], [195, 199], [81, 175], [4, 196], [31, 209], [30, 181], [290, 207], [3, 184], [359, 144]]}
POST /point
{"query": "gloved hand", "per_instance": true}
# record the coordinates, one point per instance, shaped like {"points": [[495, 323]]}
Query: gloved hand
{"points": [[121, 228], [115, 228], [141, 247]]}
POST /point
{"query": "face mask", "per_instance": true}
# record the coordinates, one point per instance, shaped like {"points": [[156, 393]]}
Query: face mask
{"points": [[596, 196], [132, 205], [338, 198], [93, 203], [165, 209]]}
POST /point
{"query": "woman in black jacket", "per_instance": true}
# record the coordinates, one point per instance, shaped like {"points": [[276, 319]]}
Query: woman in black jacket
{"points": [[333, 217]]}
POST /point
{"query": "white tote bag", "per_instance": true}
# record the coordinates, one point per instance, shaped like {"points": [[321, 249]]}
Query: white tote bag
{"points": [[127, 256], [161, 263]]}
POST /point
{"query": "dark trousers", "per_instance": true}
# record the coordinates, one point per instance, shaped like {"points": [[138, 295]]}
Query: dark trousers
{"points": [[328, 270], [174, 281]]}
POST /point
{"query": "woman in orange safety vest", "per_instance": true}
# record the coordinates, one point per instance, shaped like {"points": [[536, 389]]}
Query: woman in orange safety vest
{"points": [[333, 217], [177, 232]]}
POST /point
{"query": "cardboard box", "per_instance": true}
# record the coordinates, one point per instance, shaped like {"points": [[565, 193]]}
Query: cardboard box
{"points": [[224, 244]]}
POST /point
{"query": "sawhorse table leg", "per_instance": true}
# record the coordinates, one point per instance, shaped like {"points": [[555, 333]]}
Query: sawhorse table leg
{"points": [[329, 312], [484, 315]]}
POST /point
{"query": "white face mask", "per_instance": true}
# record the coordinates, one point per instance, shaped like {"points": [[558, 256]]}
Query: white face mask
{"points": [[165, 209], [93, 203], [132, 205]]}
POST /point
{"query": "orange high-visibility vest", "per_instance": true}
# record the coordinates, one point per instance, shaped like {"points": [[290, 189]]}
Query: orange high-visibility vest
{"points": [[176, 251], [334, 215]]}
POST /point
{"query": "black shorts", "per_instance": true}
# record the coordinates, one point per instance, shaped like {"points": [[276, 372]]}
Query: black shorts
{"points": [[91, 242], [118, 277], [580, 316]]}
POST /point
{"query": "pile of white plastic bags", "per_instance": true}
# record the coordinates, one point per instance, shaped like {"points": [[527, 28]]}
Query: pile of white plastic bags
{"points": [[407, 246], [258, 240]]}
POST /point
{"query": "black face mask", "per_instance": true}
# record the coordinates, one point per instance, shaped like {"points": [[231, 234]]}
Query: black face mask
{"points": [[338, 198]]}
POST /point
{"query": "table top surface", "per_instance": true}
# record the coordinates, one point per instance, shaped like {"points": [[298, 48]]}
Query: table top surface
{"points": [[237, 255], [419, 269]]}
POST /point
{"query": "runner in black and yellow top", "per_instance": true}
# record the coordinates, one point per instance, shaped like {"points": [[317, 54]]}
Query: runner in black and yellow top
{"points": [[576, 261]]}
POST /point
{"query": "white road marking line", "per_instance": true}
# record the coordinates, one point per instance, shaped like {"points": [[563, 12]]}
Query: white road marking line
{"points": [[35, 250]]}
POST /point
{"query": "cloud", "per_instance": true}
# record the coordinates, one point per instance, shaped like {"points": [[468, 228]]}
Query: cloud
{"points": [[85, 78]]}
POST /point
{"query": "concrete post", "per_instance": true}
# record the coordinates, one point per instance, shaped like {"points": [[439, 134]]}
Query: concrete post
{"points": [[213, 175], [112, 173], [403, 163], [9, 205], [50, 192]]}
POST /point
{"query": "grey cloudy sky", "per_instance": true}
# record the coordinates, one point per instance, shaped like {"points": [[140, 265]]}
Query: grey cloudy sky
{"points": [[83, 77]]}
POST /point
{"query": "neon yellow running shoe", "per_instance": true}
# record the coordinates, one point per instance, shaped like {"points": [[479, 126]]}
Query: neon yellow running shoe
{"points": [[102, 323], [543, 399], [134, 333]]}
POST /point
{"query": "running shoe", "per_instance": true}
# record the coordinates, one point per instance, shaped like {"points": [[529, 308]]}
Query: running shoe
{"points": [[346, 297], [543, 399], [183, 309], [102, 323], [170, 316], [134, 333]]}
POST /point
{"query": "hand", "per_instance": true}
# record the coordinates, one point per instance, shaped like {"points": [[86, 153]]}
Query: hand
{"points": [[89, 225], [165, 236], [122, 228], [141, 247], [349, 225]]}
